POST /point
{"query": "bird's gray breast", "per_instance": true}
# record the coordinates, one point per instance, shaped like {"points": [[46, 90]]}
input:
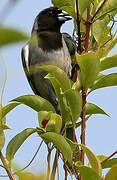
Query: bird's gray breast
{"points": [[60, 57]]}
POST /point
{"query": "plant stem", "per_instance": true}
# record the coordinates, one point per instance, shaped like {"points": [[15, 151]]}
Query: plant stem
{"points": [[48, 160], [88, 26], [5, 164], [108, 157], [53, 173], [83, 116], [79, 48]]}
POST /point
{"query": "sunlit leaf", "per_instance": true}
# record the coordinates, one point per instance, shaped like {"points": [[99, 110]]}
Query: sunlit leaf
{"points": [[17, 141], [59, 74], [112, 174], [35, 102], [74, 99], [93, 160], [102, 52], [29, 176], [88, 173], [101, 31], [109, 163], [89, 68], [101, 157], [108, 62], [57, 87], [83, 5], [6, 109], [60, 142], [105, 81], [9, 36], [66, 5], [94, 109]]}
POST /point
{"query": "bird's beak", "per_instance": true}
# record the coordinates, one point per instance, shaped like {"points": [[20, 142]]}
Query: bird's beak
{"points": [[63, 16]]}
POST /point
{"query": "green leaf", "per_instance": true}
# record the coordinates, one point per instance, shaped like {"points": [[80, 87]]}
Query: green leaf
{"points": [[105, 81], [108, 62], [112, 174], [101, 157], [74, 99], [35, 102], [9, 36], [101, 31], [57, 87], [88, 173], [94, 109], [17, 141], [109, 163], [2, 140], [66, 5], [93, 160], [83, 5], [6, 109], [103, 51], [89, 67], [61, 143], [59, 74]]}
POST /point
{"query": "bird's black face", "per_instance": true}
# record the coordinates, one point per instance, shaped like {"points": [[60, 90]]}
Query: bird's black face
{"points": [[51, 19]]}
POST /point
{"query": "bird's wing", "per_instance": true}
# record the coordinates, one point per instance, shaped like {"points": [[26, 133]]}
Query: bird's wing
{"points": [[25, 62], [38, 83], [70, 43], [72, 49]]}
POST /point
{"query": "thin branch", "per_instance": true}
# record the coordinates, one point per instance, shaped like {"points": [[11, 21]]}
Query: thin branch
{"points": [[15, 173], [88, 26], [2, 166], [108, 157], [31, 159], [54, 168], [98, 10], [79, 48], [110, 31], [5, 164], [48, 160], [104, 14]]}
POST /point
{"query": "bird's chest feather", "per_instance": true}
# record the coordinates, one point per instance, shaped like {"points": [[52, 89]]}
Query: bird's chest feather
{"points": [[59, 57]]}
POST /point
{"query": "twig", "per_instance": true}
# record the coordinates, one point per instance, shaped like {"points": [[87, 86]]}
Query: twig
{"points": [[108, 157], [104, 14], [83, 116], [53, 173], [48, 160], [110, 31], [100, 7], [27, 164], [2, 166], [5, 164], [31, 159], [79, 48]]}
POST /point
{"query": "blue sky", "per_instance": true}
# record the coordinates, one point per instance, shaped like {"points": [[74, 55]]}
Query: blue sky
{"points": [[101, 131]]}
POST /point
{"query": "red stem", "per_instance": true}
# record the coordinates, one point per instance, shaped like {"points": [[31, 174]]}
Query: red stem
{"points": [[83, 116]]}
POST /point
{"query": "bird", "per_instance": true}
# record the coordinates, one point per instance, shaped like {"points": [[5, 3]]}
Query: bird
{"points": [[48, 46]]}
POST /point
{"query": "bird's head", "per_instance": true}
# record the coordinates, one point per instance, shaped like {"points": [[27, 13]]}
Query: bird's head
{"points": [[50, 19]]}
